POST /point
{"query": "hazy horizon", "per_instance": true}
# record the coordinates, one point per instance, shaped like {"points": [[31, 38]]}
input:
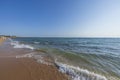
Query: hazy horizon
{"points": [[60, 18]]}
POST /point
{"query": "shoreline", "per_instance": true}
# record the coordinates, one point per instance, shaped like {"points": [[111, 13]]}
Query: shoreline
{"points": [[60, 60], [25, 68], [72, 72]]}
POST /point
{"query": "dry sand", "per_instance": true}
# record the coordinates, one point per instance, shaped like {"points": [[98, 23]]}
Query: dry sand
{"points": [[12, 68]]}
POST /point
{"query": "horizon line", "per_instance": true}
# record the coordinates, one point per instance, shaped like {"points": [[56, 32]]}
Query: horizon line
{"points": [[62, 37]]}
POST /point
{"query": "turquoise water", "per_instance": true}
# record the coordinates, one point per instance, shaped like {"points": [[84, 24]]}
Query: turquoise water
{"points": [[99, 55]]}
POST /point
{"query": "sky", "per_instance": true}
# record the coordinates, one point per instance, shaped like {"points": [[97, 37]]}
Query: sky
{"points": [[60, 18]]}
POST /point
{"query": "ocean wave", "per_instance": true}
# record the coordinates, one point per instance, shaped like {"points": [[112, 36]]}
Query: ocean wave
{"points": [[36, 42], [16, 44], [77, 73]]}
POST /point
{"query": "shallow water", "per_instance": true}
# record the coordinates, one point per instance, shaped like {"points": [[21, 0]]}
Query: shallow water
{"points": [[98, 55]]}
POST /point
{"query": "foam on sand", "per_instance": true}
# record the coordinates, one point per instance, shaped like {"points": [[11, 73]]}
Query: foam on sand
{"points": [[77, 73], [38, 57]]}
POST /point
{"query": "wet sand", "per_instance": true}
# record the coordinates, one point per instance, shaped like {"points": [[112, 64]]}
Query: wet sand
{"points": [[12, 68]]}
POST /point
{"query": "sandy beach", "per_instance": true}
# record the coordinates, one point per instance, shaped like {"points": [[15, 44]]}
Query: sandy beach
{"points": [[12, 68]]}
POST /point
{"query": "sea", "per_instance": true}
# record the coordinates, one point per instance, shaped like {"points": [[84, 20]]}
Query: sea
{"points": [[80, 58]]}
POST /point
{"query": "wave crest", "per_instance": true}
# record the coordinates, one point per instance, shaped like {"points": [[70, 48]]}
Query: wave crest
{"points": [[16, 44], [77, 73]]}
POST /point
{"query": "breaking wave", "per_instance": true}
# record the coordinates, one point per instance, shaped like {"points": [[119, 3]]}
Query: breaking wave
{"points": [[16, 44], [36, 42], [77, 73]]}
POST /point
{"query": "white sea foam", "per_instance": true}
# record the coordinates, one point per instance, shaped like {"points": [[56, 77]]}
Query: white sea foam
{"points": [[38, 57], [29, 55], [76, 73], [16, 44], [36, 42]]}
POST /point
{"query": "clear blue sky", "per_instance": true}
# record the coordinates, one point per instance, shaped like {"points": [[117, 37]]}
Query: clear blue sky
{"points": [[60, 18]]}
